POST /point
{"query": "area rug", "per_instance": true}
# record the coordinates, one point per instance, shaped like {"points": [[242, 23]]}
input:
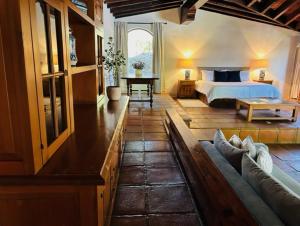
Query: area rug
{"points": [[191, 103]]}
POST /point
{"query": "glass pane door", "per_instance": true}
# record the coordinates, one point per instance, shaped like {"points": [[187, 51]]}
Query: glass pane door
{"points": [[49, 32]]}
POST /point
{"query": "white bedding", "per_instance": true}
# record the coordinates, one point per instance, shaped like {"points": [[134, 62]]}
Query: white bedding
{"points": [[235, 90]]}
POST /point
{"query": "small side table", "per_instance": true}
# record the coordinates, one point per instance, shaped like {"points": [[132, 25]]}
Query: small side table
{"points": [[186, 88], [264, 81]]}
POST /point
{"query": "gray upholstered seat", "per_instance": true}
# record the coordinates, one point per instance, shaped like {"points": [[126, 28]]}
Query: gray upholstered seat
{"points": [[255, 205]]}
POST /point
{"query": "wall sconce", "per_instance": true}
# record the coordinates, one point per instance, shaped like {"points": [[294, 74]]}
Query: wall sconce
{"points": [[186, 64], [261, 64]]}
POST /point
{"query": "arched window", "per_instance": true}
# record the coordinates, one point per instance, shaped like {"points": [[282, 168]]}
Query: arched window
{"points": [[140, 49]]}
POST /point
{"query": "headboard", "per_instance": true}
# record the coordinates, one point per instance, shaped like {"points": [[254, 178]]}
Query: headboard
{"points": [[225, 68], [221, 69]]}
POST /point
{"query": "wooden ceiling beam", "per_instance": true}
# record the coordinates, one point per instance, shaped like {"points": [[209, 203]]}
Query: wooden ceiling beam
{"points": [[148, 10], [286, 6], [132, 2], [298, 26], [143, 6], [295, 15], [278, 22], [237, 13], [232, 7], [252, 2], [188, 10], [267, 5]]}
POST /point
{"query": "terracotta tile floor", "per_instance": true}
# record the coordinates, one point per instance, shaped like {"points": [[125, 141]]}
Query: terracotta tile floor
{"points": [[152, 190]]}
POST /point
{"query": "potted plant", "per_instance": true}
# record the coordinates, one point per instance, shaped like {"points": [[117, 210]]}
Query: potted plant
{"points": [[138, 66], [113, 61]]}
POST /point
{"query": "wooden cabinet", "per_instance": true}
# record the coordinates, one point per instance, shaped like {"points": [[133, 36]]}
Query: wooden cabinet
{"points": [[68, 192], [38, 85], [186, 88]]}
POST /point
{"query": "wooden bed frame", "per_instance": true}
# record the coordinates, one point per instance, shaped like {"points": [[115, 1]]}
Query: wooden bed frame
{"points": [[215, 198]]}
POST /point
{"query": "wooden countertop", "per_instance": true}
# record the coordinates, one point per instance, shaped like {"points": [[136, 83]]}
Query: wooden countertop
{"points": [[80, 159]]}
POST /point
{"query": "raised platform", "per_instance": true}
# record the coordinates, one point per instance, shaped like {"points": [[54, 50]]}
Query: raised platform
{"points": [[205, 121]]}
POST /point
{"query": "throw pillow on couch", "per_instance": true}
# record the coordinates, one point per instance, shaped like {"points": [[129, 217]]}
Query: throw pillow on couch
{"points": [[234, 149]]}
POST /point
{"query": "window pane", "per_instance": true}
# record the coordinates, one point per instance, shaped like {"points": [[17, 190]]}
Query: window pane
{"points": [[54, 18], [48, 109], [42, 37], [140, 49], [61, 103]]}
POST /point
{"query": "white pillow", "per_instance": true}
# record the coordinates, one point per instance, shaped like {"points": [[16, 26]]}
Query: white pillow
{"points": [[264, 160], [249, 145], [207, 75], [235, 141], [245, 76]]}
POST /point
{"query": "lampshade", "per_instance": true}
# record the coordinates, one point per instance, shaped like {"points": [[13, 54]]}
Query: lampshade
{"points": [[262, 63], [185, 63]]}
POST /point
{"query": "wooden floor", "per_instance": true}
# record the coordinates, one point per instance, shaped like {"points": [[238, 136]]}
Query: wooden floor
{"points": [[152, 190]]}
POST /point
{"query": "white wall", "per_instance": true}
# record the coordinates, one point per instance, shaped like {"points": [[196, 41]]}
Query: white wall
{"points": [[219, 40]]}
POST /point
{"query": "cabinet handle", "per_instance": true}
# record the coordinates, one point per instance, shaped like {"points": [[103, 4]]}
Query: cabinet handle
{"points": [[101, 195]]}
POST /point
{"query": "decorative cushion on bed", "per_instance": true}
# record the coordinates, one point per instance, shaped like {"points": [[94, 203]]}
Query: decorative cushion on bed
{"points": [[232, 154], [207, 75], [220, 76], [284, 202], [245, 76], [233, 76]]}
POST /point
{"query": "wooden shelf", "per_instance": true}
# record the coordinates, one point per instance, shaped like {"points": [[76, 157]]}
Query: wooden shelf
{"points": [[78, 15], [81, 69]]}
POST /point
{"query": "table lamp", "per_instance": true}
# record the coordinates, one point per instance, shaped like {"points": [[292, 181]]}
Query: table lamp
{"points": [[186, 64], [261, 64]]}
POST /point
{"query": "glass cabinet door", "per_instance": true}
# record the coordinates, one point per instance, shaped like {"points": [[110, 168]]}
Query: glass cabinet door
{"points": [[51, 73]]}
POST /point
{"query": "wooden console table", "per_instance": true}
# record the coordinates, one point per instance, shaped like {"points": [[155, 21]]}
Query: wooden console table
{"points": [[144, 79], [269, 104]]}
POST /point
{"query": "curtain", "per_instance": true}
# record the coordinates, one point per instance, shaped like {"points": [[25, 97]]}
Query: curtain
{"points": [[158, 55], [295, 91], [121, 43]]}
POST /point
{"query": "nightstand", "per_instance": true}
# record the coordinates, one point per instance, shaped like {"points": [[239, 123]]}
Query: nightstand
{"points": [[186, 88], [264, 81]]}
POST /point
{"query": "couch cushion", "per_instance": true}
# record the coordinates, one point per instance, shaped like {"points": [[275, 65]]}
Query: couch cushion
{"points": [[235, 141], [232, 154], [249, 145], [284, 202], [286, 179], [264, 160], [255, 205]]}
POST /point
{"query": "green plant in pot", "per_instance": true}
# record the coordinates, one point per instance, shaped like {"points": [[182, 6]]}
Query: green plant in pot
{"points": [[138, 66], [113, 61]]}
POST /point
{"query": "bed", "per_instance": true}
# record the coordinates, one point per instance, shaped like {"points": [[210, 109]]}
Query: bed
{"points": [[235, 90], [211, 91]]}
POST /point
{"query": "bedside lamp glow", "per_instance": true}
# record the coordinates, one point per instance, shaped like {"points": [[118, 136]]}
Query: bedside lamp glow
{"points": [[261, 64], [186, 64]]}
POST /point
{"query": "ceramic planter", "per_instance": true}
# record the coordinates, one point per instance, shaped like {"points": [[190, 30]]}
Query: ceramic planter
{"points": [[113, 92]]}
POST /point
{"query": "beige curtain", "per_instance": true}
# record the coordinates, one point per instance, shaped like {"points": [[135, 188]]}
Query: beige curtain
{"points": [[158, 55], [296, 79], [121, 43]]}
